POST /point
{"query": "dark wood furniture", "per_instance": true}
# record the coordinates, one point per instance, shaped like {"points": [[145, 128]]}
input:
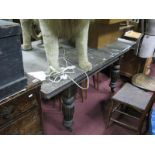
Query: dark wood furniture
{"points": [[131, 64], [20, 113], [135, 98], [100, 59]]}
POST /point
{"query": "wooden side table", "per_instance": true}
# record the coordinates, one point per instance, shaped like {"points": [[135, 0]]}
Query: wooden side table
{"points": [[21, 113]]}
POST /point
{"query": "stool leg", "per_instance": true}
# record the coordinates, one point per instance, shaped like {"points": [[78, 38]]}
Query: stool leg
{"points": [[82, 95], [54, 100], [83, 92], [94, 81], [60, 103], [147, 122], [86, 91], [141, 123], [98, 81], [110, 113]]}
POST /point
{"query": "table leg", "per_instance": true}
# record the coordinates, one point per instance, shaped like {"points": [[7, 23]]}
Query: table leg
{"points": [[115, 72], [68, 98]]}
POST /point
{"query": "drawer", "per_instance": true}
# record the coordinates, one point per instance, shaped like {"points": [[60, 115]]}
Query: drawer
{"points": [[17, 106], [28, 124]]}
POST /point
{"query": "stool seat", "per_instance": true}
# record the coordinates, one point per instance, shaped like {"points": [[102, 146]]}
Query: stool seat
{"points": [[133, 96], [127, 100]]}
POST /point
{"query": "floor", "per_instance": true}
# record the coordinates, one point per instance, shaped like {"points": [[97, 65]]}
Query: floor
{"points": [[90, 116]]}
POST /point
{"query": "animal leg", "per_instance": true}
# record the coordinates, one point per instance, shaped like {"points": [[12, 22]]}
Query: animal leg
{"points": [[50, 44], [26, 25], [81, 45]]}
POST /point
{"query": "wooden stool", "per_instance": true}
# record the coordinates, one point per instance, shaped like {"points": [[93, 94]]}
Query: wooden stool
{"points": [[132, 97]]}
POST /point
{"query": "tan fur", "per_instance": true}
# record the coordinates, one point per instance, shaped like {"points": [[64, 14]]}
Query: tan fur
{"points": [[53, 29], [66, 28], [28, 32]]}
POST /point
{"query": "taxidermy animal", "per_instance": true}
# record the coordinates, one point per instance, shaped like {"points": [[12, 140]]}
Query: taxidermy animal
{"points": [[52, 30], [30, 29]]}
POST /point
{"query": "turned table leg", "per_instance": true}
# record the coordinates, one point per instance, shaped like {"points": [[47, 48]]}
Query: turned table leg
{"points": [[115, 72], [68, 98]]}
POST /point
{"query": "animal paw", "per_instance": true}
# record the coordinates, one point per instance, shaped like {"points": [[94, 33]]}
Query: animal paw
{"points": [[86, 66], [26, 47], [50, 70]]}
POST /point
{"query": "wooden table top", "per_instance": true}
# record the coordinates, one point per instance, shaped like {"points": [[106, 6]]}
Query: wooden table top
{"points": [[35, 60]]}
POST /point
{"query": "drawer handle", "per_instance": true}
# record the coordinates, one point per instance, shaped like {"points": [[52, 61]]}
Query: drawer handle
{"points": [[6, 112]]}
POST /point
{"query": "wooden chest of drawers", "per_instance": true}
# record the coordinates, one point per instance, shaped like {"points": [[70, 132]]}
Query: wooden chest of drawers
{"points": [[21, 113]]}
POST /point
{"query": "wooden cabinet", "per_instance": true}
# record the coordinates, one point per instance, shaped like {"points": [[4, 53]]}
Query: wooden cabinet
{"points": [[104, 31], [131, 64], [21, 113]]}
